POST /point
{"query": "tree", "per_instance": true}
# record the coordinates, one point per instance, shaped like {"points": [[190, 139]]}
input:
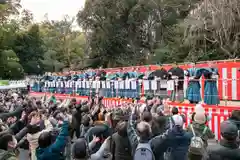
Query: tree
{"points": [[76, 49], [60, 38], [26, 18], [50, 62], [118, 33], [29, 48], [7, 37], [36, 48], [10, 66], [3, 2], [104, 23], [213, 29], [124, 32], [9, 8]]}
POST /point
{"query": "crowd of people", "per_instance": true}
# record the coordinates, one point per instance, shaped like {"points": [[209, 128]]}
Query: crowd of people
{"points": [[46, 129]]}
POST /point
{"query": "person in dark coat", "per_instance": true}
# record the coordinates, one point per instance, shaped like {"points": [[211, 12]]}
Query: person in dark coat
{"points": [[86, 125], [76, 121], [235, 118], [178, 140], [17, 112], [228, 149], [159, 123], [120, 146]]}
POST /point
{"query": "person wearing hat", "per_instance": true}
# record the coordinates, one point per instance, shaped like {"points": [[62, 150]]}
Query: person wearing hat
{"points": [[199, 119], [178, 140], [228, 148]]}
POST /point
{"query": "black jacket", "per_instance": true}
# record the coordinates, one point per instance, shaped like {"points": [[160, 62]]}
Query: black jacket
{"points": [[14, 128], [178, 142], [236, 122], [224, 151], [17, 112], [76, 119], [121, 147]]}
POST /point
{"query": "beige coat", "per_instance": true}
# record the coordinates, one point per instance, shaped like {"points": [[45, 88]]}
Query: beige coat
{"points": [[33, 139]]}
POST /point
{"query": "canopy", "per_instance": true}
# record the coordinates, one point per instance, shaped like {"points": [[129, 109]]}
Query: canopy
{"points": [[13, 86], [4, 82]]}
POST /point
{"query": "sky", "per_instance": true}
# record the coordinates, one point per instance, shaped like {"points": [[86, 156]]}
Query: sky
{"points": [[55, 8]]}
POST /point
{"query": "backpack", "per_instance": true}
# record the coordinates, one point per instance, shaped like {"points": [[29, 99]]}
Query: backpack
{"points": [[197, 145], [144, 152], [171, 123]]}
